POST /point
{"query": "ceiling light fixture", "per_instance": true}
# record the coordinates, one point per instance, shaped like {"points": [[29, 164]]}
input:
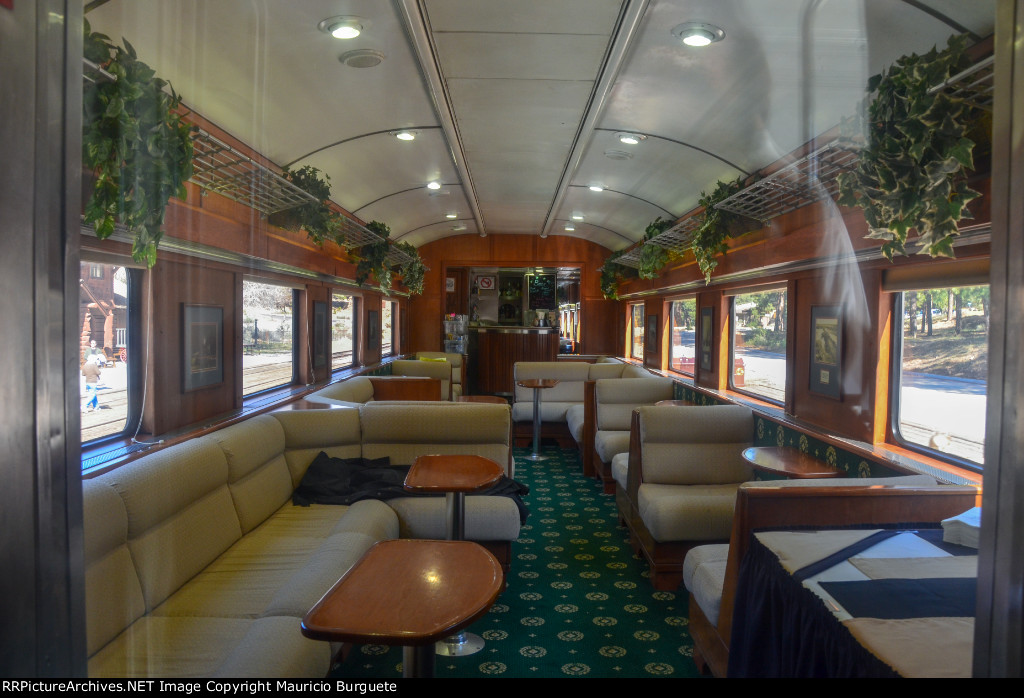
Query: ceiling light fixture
{"points": [[630, 138], [341, 27], [576, 216], [434, 185], [404, 135], [569, 227], [596, 187], [459, 226], [698, 33], [451, 216]]}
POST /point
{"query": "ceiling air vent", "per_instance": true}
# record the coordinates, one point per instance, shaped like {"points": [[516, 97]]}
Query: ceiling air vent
{"points": [[361, 58], [618, 154]]}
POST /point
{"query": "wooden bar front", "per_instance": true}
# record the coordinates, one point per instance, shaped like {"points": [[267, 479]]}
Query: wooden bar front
{"points": [[499, 348]]}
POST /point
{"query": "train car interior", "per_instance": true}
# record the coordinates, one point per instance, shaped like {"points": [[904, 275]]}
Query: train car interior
{"points": [[725, 288]]}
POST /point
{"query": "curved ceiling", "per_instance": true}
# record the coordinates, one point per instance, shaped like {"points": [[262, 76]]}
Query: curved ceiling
{"points": [[517, 106]]}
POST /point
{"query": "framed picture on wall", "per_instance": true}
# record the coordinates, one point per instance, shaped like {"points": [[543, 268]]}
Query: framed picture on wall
{"points": [[202, 346], [826, 350], [321, 334], [651, 337], [707, 328]]}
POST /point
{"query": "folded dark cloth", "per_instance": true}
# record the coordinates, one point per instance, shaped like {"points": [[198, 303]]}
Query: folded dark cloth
{"points": [[348, 480]]}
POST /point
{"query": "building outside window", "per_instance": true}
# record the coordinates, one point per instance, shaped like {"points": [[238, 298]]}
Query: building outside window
{"points": [[104, 378], [268, 331], [683, 329], [941, 366], [758, 346]]}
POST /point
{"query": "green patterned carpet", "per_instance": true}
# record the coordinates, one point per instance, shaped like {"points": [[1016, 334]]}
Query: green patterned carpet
{"points": [[577, 603]]}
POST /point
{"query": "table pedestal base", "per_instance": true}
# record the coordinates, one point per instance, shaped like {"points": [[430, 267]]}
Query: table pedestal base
{"points": [[459, 645], [418, 662]]}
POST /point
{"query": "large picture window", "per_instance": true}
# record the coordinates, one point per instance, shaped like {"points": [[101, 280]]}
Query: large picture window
{"points": [[268, 331], [103, 316], [683, 329], [387, 328], [758, 346], [939, 387], [343, 330], [636, 331]]}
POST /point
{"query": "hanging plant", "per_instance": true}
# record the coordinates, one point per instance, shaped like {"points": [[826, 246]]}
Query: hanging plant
{"points": [[316, 218], [914, 150], [412, 272], [653, 257], [372, 258], [709, 238], [135, 142], [612, 273]]}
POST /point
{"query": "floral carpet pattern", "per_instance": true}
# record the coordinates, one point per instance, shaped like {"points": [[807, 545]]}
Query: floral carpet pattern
{"points": [[577, 602]]}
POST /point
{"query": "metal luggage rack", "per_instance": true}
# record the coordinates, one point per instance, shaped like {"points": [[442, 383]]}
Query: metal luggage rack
{"points": [[975, 84], [676, 239]]}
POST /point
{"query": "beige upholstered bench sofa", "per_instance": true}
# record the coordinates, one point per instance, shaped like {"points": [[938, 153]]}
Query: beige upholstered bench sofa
{"points": [[198, 564], [458, 366]]}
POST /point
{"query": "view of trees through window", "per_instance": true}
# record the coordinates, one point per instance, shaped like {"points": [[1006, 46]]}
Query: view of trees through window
{"points": [[343, 310], [943, 369], [267, 336], [683, 317], [387, 331], [759, 343], [103, 350]]}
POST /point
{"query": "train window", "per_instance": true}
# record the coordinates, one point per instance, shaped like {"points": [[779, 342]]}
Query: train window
{"points": [[940, 370], [343, 330], [758, 346], [268, 331], [682, 326], [387, 328], [105, 304], [636, 331]]}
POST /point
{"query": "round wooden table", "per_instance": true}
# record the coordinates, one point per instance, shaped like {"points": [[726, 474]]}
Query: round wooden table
{"points": [[408, 592], [789, 462], [455, 475], [537, 384]]}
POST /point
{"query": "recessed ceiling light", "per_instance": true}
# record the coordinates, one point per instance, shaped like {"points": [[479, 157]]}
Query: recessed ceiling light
{"points": [[404, 135], [630, 138], [698, 33], [451, 216], [434, 185], [596, 187], [577, 216], [570, 227], [341, 27], [459, 226]]}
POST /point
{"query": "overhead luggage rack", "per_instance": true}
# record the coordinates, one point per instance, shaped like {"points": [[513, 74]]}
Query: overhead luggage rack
{"points": [[803, 182], [219, 168], [975, 84], [676, 239]]}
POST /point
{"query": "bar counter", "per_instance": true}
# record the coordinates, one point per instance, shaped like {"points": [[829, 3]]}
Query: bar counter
{"points": [[493, 350]]}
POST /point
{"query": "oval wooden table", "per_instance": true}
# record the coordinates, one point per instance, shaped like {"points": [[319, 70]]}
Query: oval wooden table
{"points": [[408, 592], [789, 462], [537, 384]]}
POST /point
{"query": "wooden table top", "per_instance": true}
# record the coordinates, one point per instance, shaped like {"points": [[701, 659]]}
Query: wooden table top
{"points": [[455, 473], [787, 461], [536, 383], [408, 592]]}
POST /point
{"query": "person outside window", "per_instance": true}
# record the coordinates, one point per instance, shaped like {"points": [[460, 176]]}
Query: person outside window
{"points": [[91, 371]]}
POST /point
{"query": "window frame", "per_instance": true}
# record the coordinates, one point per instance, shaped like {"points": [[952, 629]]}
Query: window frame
{"points": [[671, 331], [732, 295], [895, 383], [297, 299]]}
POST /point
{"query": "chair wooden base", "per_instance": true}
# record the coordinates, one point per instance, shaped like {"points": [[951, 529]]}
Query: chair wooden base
{"points": [[709, 652]]}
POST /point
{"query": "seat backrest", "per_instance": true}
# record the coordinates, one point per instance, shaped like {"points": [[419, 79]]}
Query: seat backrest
{"points": [[571, 375], [307, 432], [457, 362], [616, 398], [695, 445], [441, 370], [355, 390]]}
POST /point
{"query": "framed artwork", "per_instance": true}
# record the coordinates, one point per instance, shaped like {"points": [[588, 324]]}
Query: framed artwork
{"points": [[707, 326], [826, 350], [449, 284], [372, 329], [202, 346], [651, 338], [321, 334]]}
